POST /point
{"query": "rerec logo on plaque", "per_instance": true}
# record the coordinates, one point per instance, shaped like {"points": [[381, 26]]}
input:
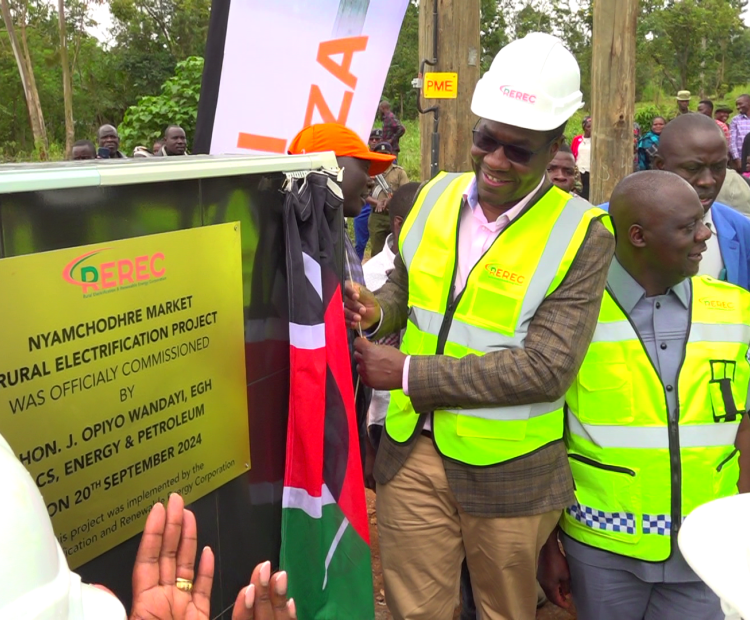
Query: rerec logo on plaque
{"points": [[120, 273]]}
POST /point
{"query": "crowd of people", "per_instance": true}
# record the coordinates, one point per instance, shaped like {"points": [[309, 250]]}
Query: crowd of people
{"points": [[549, 387], [173, 142]]}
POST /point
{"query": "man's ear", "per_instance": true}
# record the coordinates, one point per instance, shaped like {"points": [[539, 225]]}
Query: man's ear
{"points": [[636, 236], [658, 163], [553, 148]]}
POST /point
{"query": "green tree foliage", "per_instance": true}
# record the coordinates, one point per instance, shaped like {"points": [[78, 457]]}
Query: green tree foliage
{"points": [[177, 104], [700, 45], [405, 66], [493, 34], [148, 39], [151, 36]]}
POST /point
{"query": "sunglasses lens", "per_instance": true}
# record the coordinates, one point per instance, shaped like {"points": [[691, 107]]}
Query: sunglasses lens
{"points": [[485, 142], [517, 154], [488, 144]]}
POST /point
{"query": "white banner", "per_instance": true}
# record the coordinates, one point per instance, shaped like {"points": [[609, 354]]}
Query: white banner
{"points": [[292, 63]]}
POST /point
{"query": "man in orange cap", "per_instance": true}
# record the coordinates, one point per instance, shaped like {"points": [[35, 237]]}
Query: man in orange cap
{"points": [[357, 160], [358, 163]]}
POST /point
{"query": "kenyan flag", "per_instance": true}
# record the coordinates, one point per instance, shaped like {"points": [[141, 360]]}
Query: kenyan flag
{"points": [[325, 539]]}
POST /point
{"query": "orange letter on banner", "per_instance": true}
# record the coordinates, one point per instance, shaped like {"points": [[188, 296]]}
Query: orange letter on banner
{"points": [[315, 100], [255, 142], [348, 47]]}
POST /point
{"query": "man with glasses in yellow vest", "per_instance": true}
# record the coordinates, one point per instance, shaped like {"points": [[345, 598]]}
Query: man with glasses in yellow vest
{"points": [[498, 285], [656, 422]]}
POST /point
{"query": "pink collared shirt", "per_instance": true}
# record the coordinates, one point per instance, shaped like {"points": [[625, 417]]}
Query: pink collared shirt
{"points": [[475, 236]]}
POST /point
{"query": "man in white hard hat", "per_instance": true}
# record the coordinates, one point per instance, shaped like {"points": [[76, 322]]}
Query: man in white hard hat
{"points": [[656, 423], [721, 555], [498, 284]]}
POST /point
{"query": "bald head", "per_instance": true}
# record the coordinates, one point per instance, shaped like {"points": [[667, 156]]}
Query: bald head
{"points": [[658, 222], [690, 129], [693, 147], [107, 137], [642, 198]]}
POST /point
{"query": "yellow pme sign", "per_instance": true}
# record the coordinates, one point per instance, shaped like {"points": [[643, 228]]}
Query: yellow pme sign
{"points": [[440, 85]]}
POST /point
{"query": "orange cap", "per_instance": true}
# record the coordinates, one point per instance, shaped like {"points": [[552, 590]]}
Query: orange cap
{"points": [[342, 141]]}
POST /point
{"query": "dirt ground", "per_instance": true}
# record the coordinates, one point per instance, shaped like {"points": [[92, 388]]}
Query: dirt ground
{"points": [[548, 612]]}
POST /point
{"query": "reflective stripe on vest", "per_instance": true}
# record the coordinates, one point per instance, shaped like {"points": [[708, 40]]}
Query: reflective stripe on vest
{"points": [[430, 194], [652, 437], [639, 468], [526, 263], [699, 332]]}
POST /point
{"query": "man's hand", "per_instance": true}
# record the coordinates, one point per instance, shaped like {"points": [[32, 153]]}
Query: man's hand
{"points": [[361, 309], [553, 573], [167, 553], [382, 204], [380, 366]]}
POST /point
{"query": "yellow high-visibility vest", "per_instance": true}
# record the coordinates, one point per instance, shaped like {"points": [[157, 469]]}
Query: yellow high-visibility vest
{"points": [[639, 471], [524, 265]]}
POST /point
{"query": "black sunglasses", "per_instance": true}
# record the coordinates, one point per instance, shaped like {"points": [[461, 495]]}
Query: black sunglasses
{"points": [[517, 154]]}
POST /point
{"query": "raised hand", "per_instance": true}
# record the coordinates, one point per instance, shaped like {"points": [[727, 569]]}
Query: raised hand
{"points": [[265, 597], [165, 585]]}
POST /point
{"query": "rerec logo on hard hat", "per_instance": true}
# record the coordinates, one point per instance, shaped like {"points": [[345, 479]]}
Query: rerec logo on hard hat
{"points": [[511, 92]]}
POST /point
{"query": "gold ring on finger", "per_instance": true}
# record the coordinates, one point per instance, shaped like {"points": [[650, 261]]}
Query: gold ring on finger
{"points": [[184, 584]]}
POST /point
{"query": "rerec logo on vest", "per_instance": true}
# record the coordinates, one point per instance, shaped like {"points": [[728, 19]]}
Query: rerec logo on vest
{"points": [[716, 304], [511, 92], [497, 271]]}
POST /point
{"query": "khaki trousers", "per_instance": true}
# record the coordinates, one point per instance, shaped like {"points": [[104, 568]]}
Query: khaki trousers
{"points": [[424, 536]]}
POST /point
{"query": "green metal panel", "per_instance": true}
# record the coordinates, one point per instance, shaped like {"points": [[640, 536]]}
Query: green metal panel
{"points": [[60, 175]]}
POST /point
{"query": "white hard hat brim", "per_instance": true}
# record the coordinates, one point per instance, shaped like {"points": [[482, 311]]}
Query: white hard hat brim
{"points": [[716, 545], [97, 604]]}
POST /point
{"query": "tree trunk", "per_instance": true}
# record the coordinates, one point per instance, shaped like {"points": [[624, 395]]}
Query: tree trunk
{"points": [[67, 81], [26, 73], [703, 68], [43, 146]]}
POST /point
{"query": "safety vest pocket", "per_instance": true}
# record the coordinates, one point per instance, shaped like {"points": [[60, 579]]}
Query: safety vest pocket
{"points": [[722, 387], [608, 498], [494, 305], [605, 394], [727, 475], [429, 270], [482, 428]]}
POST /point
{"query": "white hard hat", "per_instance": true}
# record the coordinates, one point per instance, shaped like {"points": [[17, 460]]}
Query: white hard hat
{"points": [[35, 581], [715, 541], [534, 83]]}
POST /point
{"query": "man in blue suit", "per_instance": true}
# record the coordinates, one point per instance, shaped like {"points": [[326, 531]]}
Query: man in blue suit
{"points": [[693, 147]]}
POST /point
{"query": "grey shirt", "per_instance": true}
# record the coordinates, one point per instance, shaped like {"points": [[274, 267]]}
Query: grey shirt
{"points": [[662, 324]]}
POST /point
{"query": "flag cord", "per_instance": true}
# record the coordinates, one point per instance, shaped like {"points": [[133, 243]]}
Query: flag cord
{"points": [[359, 325]]}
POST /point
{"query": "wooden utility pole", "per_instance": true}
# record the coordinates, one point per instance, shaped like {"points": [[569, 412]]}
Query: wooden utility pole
{"points": [[612, 95], [456, 50]]}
